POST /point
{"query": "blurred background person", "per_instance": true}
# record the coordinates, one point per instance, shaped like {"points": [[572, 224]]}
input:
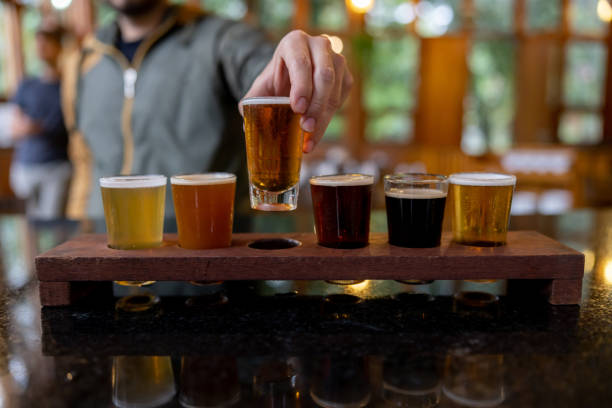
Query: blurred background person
{"points": [[40, 172]]}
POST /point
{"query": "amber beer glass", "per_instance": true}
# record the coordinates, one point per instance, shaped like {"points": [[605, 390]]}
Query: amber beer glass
{"points": [[134, 210], [274, 143], [204, 207], [341, 206], [481, 207]]}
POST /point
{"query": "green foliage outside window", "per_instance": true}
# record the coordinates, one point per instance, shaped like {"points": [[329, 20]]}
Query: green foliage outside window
{"points": [[275, 14], [31, 21], [3, 53], [584, 77], [543, 14], [233, 9], [580, 128], [497, 15], [104, 14], [329, 14], [584, 19], [490, 108], [390, 78]]}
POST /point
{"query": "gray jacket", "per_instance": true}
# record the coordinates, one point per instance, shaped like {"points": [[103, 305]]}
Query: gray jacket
{"points": [[173, 110]]}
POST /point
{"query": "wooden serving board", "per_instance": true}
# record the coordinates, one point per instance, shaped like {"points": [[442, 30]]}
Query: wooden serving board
{"points": [[68, 270]]}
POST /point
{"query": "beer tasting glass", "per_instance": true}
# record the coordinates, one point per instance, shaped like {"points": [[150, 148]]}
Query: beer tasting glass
{"points": [[274, 141], [134, 210], [142, 381], [341, 205], [415, 209], [481, 207], [204, 207]]}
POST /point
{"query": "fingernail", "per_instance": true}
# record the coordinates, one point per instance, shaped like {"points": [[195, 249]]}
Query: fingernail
{"points": [[309, 146], [308, 125], [301, 105]]}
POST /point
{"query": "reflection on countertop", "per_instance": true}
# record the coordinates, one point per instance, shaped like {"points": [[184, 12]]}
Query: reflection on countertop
{"points": [[297, 344]]}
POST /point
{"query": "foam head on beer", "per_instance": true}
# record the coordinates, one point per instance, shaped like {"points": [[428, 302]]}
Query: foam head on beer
{"points": [[482, 179], [342, 180], [481, 207], [204, 207], [341, 205], [134, 210], [274, 141]]}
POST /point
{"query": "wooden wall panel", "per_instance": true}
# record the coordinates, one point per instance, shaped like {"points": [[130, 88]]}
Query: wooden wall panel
{"points": [[443, 76], [538, 82]]}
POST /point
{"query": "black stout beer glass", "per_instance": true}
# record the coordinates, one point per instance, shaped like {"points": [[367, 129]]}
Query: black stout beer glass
{"points": [[415, 209], [341, 206]]}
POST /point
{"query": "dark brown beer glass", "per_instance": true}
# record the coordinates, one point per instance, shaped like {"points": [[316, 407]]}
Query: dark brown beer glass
{"points": [[341, 206]]}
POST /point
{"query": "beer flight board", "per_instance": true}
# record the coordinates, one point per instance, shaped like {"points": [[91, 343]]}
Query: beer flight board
{"points": [[85, 266]]}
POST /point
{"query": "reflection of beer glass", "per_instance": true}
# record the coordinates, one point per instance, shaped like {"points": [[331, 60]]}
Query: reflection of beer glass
{"points": [[415, 209], [341, 206], [411, 381], [474, 380], [204, 206], [210, 381], [142, 381], [274, 143], [134, 210], [341, 383], [481, 207]]}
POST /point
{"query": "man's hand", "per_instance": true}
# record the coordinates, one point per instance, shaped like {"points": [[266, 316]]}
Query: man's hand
{"points": [[23, 126], [315, 78]]}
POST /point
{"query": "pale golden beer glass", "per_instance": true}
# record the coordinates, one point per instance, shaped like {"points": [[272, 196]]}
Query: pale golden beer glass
{"points": [[134, 210], [274, 141], [481, 207], [142, 381], [204, 207]]}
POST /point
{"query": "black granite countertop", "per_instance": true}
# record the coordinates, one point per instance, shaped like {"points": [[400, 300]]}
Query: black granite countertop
{"points": [[308, 344]]}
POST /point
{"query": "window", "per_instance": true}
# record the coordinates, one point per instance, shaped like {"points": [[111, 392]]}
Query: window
{"points": [[30, 21], [489, 108], [495, 15], [543, 14], [3, 52], [584, 19], [328, 14], [233, 9], [104, 14], [275, 15], [389, 88]]}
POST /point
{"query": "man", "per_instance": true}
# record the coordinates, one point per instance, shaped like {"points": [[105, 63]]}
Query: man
{"points": [[40, 172], [157, 92]]}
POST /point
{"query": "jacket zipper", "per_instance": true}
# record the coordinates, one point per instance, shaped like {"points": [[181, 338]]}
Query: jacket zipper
{"points": [[130, 76]]}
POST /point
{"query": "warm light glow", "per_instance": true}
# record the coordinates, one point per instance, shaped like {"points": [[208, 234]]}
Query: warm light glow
{"points": [[604, 10], [60, 4], [607, 268], [360, 6], [359, 287], [589, 260], [336, 43]]}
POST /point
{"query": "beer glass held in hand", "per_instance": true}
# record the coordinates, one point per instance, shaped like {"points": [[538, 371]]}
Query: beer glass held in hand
{"points": [[415, 209], [341, 205], [481, 207], [134, 210], [204, 207], [274, 141]]}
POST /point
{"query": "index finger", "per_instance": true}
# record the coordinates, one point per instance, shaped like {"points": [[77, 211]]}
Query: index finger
{"points": [[295, 54]]}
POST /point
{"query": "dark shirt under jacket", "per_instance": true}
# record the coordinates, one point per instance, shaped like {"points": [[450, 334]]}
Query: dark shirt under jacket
{"points": [[40, 100]]}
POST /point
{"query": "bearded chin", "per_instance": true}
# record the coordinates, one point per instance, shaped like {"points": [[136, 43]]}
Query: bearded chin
{"points": [[134, 8]]}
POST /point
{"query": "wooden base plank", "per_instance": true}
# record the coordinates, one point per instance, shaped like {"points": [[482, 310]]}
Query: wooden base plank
{"points": [[527, 256]]}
